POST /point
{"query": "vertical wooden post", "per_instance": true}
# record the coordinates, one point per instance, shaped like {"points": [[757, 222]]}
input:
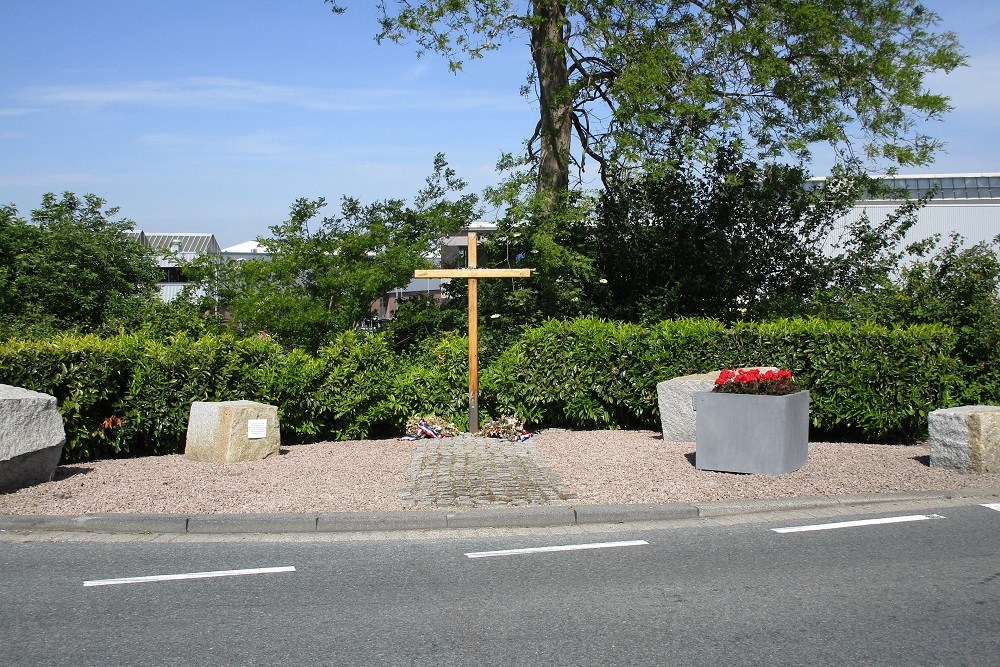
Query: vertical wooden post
{"points": [[472, 273], [473, 337]]}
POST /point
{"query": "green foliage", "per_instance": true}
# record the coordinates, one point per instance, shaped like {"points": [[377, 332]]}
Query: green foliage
{"points": [[72, 267], [865, 381], [160, 321], [535, 235], [357, 382], [739, 241], [419, 318], [954, 285], [323, 276], [635, 82], [435, 381], [584, 372], [130, 395], [87, 375]]}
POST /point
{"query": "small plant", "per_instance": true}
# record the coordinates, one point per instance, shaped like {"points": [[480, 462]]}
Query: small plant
{"points": [[755, 381]]}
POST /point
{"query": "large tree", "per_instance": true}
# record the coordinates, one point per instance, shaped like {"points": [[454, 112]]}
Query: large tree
{"points": [[71, 266], [636, 81]]}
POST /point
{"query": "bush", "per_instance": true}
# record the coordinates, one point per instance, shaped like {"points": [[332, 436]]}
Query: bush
{"points": [[586, 373], [953, 285], [130, 396], [88, 377], [435, 381], [866, 381]]}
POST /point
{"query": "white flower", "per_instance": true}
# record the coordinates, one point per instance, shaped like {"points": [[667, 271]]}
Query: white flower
{"points": [[603, 281], [494, 316]]}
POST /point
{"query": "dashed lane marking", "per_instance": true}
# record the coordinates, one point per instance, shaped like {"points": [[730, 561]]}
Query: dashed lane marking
{"points": [[855, 524], [564, 547], [189, 575]]}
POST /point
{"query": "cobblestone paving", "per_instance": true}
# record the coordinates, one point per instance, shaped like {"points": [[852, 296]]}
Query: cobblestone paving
{"points": [[471, 471]]}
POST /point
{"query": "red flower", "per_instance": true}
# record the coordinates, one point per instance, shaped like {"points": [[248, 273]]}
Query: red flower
{"points": [[725, 376], [754, 381]]}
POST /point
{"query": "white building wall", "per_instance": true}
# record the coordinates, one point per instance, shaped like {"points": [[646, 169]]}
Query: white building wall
{"points": [[975, 221]]}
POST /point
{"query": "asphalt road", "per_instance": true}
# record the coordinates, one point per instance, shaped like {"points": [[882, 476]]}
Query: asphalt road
{"points": [[920, 592]]}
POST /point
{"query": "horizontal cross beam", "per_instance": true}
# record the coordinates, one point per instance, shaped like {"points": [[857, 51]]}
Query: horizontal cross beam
{"points": [[472, 273]]}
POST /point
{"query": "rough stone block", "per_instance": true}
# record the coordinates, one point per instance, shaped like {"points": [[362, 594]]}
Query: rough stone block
{"points": [[31, 437], [674, 398], [231, 431], [966, 438]]}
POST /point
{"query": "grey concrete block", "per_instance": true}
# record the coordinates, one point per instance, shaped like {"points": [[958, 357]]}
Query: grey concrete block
{"points": [[99, 523], [735, 507], [31, 437], [513, 517], [749, 433]]}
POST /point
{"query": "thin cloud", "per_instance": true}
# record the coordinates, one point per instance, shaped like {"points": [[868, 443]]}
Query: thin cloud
{"points": [[254, 143], [67, 180], [222, 93]]}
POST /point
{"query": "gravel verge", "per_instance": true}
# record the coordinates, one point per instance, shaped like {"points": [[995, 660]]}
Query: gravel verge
{"points": [[600, 467]]}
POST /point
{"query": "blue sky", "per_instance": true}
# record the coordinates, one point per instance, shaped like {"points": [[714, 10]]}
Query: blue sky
{"points": [[215, 115]]}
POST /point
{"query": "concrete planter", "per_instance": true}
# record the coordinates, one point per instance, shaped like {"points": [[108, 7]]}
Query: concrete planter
{"points": [[751, 433]]}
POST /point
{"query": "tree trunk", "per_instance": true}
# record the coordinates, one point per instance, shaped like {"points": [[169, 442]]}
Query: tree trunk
{"points": [[548, 42]]}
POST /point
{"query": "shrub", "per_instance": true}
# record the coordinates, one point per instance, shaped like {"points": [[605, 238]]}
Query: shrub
{"points": [[434, 381], [130, 396], [866, 381], [585, 372]]}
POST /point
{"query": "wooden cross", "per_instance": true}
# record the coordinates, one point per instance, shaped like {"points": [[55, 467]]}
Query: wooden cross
{"points": [[472, 273]]}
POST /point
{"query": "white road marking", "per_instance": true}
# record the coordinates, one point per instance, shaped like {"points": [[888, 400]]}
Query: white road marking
{"points": [[862, 522], [564, 547], [190, 575], [993, 506]]}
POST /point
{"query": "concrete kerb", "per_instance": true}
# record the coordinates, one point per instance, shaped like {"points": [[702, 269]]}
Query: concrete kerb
{"points": [[99, 523], [509, 517]]}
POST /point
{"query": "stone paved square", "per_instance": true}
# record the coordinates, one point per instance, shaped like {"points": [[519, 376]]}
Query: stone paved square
{"points": [[471, 471]]}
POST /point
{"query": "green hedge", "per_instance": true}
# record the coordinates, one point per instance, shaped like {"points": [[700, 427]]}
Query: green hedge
{"points": [[130, 396], [866, 381]]}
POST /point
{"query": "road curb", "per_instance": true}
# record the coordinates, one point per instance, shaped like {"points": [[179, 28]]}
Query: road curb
{"points": [[500, 517]]}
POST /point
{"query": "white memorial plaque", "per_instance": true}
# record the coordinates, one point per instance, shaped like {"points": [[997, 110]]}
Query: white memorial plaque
{"points": [[256, 428]]}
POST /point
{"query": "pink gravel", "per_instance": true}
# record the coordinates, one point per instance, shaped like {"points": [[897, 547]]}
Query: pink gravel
{"points": [[601, 467]]}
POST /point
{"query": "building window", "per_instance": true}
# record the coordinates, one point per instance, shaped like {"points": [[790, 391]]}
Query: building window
{"points": [[171, 274]]}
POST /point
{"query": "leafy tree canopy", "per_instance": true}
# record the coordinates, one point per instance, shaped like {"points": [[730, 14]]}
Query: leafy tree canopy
{"points": [[72, 266], [323, 275], [637, 80]]}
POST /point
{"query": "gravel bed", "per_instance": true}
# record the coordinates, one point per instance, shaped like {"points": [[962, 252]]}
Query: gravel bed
{"points": [[640, 467], [600, 467]]}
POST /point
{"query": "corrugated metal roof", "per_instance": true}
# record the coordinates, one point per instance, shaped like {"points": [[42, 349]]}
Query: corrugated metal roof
{"points": [[200, 244], [136, 235]]}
